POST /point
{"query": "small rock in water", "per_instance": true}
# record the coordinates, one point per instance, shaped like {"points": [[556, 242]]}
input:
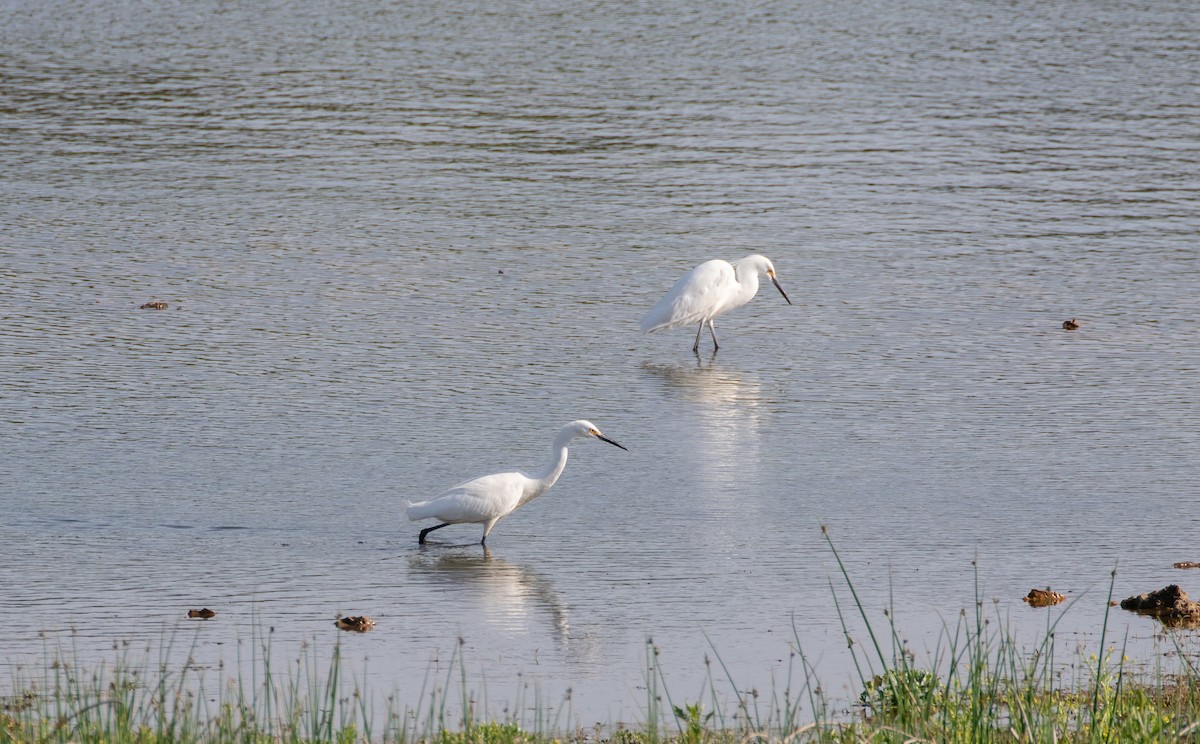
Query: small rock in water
{"points": [[359, 623], [203, 614], [1043, 597], [1070, 325], [1187, 564], [1170, 605], [156, 305]]}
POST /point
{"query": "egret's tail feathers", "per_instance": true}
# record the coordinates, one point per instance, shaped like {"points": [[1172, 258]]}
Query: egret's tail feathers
{"points": [[418, 510], [658, 317], [652, 323]]}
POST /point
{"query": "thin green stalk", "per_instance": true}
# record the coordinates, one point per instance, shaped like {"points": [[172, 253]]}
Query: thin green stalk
{"points": [[1100, 656], [671, 706], [854, 593], [736, 692], [809, 670]]}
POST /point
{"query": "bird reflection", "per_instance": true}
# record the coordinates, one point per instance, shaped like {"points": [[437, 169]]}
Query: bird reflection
{"points": [[511, 593], [727, 405], [722, 392]]}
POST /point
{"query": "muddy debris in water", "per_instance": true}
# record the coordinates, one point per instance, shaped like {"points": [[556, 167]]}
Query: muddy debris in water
{"points": [[1043, 597], [357, 623], [156, 305], [1170, 605], [1187, 564], [1070, 325], [203, 614]]}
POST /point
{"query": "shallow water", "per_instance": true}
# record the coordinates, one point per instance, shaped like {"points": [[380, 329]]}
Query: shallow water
{"points": [[402, 246]]}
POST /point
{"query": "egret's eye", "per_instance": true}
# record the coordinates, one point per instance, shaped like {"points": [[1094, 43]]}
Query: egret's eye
{"points": [[594, 433]]}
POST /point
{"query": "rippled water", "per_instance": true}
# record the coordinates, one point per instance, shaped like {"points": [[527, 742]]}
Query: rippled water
{"points": [[403, 245]]}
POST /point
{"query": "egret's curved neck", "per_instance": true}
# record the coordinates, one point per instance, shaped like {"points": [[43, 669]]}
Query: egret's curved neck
{"points": [[747, 279], [546, 477]]}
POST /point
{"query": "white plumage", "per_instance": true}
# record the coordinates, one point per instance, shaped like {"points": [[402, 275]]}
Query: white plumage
{"points": [[711, 289], [490, 498]]}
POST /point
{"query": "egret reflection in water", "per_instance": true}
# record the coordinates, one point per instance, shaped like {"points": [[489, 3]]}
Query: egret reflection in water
{"points": [[727, 408], [725, 391], [509, 595]]}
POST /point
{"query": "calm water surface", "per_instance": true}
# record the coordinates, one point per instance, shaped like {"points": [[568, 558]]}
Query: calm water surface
{"points": [[403, 245]]}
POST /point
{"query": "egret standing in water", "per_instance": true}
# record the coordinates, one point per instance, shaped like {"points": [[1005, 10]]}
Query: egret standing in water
{"points": [[710, 289], [489, 499]]}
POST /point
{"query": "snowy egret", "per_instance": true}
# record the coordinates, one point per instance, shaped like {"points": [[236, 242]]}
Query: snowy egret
{"points": [[710, 289], [489, 499]]}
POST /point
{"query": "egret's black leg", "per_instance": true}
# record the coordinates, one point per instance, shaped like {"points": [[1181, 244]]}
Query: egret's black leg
{"points": [[696, 346], [712, 328], [427, 530]]}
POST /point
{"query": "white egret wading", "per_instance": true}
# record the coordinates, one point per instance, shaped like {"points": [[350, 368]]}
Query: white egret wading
{"points": [[711, 289], [489, 499]]}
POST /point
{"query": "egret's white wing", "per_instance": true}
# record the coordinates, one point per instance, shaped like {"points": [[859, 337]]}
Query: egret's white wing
{"points": [[475, 500], [694, 298]]}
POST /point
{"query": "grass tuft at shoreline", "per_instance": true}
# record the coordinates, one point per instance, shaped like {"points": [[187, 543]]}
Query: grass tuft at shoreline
{"points": [[980, 686]]}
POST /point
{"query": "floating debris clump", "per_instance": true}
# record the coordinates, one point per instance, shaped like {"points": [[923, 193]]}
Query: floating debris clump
{"points": [[358, 623], [1043, 597]]}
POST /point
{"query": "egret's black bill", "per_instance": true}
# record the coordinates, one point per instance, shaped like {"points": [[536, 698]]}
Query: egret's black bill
{"points": [[780, 288], [615, 444]]}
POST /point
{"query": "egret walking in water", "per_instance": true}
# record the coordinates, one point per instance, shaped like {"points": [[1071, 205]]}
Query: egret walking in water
{"points": [[711, 289], [489, 499]]}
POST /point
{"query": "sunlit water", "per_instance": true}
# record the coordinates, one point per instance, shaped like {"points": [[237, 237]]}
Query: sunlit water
{"points": [[402, 246]]}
